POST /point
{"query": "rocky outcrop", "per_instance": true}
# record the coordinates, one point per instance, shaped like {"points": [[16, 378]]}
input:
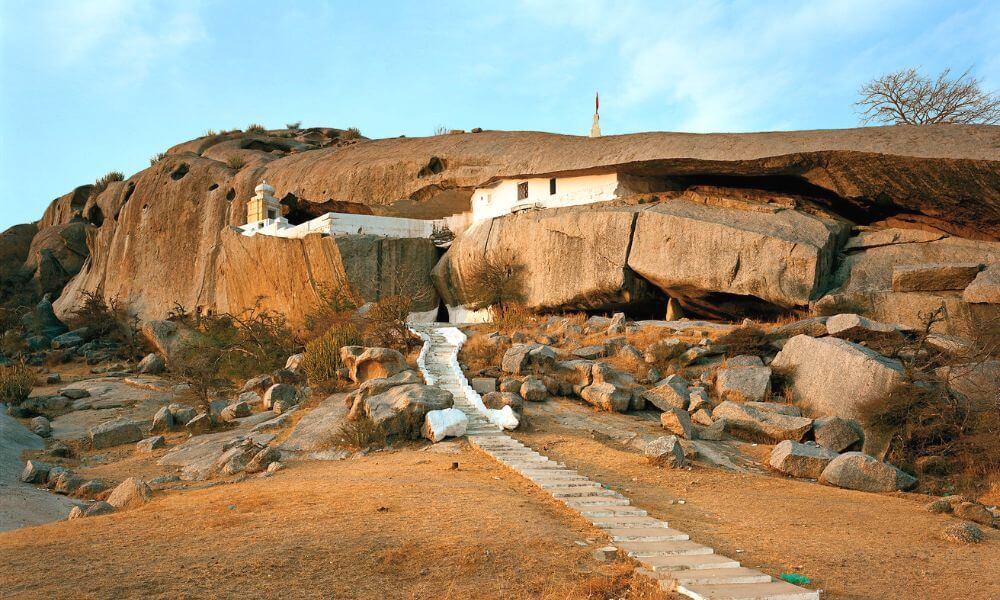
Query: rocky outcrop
{"points": [[57, 254], [15, 243], [857, 471], [400, 411], [159, 235]]}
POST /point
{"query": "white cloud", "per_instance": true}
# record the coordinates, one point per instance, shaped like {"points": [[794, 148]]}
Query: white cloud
{"points": [[129, 36]]}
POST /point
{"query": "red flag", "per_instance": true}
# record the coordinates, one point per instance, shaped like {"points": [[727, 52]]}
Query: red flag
{"points": [[597, 102]]}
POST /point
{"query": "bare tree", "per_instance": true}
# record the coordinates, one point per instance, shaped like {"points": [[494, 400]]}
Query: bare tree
{"points": [[907, 97]]}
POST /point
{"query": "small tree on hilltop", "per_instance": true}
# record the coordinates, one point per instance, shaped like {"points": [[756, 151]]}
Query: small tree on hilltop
{"points": [[908, 98]]}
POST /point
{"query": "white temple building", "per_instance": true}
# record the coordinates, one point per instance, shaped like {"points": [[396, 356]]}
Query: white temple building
{"points": [[504, 195], [264, 218]]}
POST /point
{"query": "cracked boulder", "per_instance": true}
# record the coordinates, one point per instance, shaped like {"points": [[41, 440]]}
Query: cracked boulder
{"points": [[571, 258], [778, 255]]}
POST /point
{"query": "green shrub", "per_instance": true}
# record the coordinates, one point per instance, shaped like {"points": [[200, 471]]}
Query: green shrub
{"points": [[294, 126], [16, 382], [351, 133], [156, 158], [335, 307], [256, 128], [102, 183], [236, 162], [110, 321], [322, 361], [210, 133]]}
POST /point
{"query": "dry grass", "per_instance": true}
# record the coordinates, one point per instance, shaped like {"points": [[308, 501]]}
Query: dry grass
{"points": [[479, 353], [362, 434], [390, 525], [781, 525], [16, 381]]}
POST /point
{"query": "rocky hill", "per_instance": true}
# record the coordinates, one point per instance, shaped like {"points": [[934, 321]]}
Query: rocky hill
{"points": [[163, 236]]}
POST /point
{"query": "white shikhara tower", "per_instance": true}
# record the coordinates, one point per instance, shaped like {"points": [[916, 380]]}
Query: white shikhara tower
{"points": [[595, 129]]}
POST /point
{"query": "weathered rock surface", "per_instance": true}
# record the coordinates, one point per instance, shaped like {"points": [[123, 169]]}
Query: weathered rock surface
{"points": [[800, 460], [832, 377], [57, 254], [836, 434], [778, 255], [857, 471], [985, 288], [744, 419], [672, 392], [963, 533], [744, 384], [678, 422], [130, 493], [523, 359], [152, 364], [114, 433], [315, 429], [665, 451], [375, 363], [933, 277], [401, 410], [573, 258]]}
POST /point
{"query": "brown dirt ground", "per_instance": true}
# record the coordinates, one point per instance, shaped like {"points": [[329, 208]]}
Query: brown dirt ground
{"points": [[399, 524], [852, 545]]}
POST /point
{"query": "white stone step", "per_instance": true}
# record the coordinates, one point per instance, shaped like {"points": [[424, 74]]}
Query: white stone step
{"points": [[669, 548], [593, 512], [588, 501], [729, 576], [646, 534], [688, 562], [773, 590]]}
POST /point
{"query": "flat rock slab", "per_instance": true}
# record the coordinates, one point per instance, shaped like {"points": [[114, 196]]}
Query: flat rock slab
{"points": [[689, 561], [196, 457], [314, 430], [646, 534], [669, 548], [718, 576]]}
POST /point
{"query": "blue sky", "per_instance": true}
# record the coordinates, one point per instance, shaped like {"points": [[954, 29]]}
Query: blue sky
{"points": [[92, 86]]}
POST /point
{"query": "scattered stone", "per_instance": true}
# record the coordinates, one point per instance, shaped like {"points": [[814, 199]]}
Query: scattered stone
{"points": [[533, 390], [59, 450], [91, 488], [67, 483], [672, 392], [498, 400], [75, 513], [703, 416], [114, 433], [275, 466], [151, 443], [858, 471], [963, 533], [714, 432], [130, 493], [35, 472], [263, 459], [235, 411], [677, 421], [283, 392], [612, 390], [163, 421], [698, 399], [933, 277], [182, 414], [281, 407], [163, 480], [743, 384], [605, 554], [522, 359], [665, 350], [836, 433], [152, 364], [975, 512], [510, 385], [617, 324], [665, 451], [776, 407], [41, 427], [741, 418], [258, 384], [940, 506], [401, 410], [856, 328], [800, 460], [71, 339], [74, 394], [630, 351], [53, 378], [744, 360], [99, 508], [200, 424], [653, 375], [483, 385]]}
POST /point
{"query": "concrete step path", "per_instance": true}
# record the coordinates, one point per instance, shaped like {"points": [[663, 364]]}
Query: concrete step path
{"points": [[666, 555]]}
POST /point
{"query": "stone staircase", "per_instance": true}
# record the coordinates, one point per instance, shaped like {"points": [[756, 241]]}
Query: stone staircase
{"points": [[666, 555]]}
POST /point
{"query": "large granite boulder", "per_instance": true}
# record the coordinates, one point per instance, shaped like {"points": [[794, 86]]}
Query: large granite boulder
{"points": [[671, 392], [57, 254], [858, 471], [612, 390], [130, 493], [744, 384], [376, 363], [572, 258], [833, 377], [401, 410], [524, 359], [985, 288], [778, 255]]}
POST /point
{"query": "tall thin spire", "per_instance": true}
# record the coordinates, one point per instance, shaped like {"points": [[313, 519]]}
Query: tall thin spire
{"points": [[595, 129]]}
